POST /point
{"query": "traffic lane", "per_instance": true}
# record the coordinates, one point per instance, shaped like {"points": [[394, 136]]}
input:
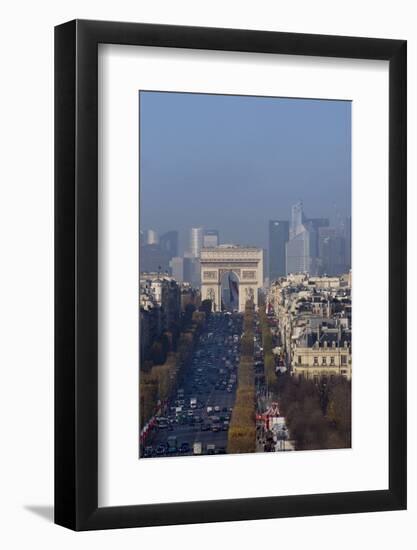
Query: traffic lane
{"points": [[222, 399], [190, 435], [207, 395]]}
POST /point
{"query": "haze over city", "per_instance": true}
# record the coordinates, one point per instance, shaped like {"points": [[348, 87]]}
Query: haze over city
{"points": [[233, 162]]}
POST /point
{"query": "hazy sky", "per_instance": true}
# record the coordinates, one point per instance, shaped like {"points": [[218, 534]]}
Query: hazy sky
{"points": [[232, 163]]}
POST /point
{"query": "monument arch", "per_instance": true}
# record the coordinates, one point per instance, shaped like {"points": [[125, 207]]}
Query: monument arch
{"points": [[245, 262]]}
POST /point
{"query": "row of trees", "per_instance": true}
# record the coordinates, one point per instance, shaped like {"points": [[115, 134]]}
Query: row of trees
{"points": [[269, 360], [242, 429], [158, 381], [314, 422]]}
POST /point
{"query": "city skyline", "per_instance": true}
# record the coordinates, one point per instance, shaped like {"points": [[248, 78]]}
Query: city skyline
{"points": [[207, 159], [299, 244]]}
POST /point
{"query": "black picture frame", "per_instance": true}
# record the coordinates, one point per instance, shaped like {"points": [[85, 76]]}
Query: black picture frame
{"points": [[76, 272]]}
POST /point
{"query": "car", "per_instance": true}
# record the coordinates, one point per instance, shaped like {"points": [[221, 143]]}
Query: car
{"points": [[185, 447], [161, 449], [215, 428], [148, 452], [205, 427]]}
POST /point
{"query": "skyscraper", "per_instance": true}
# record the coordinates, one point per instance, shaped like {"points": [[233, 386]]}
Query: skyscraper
{"points": [[278, 237], [297, 253], [210, 238], [169, 243], [152, 259], [196, 241], [297, 219], [331, 251], [182, 269], [301, 251], [150, 237], [314, 225]]}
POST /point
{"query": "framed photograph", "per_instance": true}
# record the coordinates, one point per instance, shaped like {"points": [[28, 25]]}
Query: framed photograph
{"points": [[230, 244]]}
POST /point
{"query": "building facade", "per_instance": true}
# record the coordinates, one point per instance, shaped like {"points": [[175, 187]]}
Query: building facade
{"points": [[314, 323], [159, 308]]}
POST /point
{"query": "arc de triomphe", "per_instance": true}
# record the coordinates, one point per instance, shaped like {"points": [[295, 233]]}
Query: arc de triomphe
{"points": [[245, 262]]}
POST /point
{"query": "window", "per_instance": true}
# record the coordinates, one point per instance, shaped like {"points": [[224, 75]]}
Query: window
{"points": [[316, 360], [344, 359], [332, 360], [299, 359], [323, 361]]}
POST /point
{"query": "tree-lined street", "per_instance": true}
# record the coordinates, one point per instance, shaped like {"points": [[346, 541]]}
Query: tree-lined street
{"points": [[200, 407]]}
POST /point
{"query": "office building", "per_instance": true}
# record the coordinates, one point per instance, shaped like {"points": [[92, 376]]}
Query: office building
{"points": [[210, 238], [331, 251], [196, 241], [278, 237], [150, 236], [168, 243], [182, 269]]}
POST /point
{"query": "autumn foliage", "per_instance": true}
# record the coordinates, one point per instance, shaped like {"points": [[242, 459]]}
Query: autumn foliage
{"points": [[242, 429]]}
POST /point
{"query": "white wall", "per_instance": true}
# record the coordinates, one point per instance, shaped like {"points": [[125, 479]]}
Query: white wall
{"points": [[26, 399]]}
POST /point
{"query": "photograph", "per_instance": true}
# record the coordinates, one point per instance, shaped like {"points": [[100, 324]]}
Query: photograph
{"points": [[244, 274]]}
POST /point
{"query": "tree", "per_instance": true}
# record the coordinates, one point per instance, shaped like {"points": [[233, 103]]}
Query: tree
{"points": [[339, 410], [246, 344], [148, 397]]}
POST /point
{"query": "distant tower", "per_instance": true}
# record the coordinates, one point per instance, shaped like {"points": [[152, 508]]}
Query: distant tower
{"points": [[151, 237], [298, 253], [169, 243], [196, 241], [297, 219], [331, 251], [278, 237], [210, 238]]}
